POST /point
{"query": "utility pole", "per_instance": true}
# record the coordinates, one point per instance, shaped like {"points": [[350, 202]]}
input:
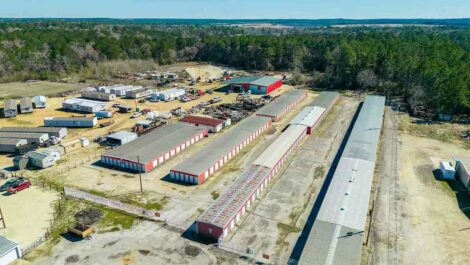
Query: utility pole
{"points": [[140, 175]]}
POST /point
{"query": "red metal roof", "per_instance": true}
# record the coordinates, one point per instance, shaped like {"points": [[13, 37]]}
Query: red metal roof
{"points": [[202, 120]]}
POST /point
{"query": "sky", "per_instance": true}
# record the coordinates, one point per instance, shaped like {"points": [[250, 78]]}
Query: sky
{"points": [[243, 9]]}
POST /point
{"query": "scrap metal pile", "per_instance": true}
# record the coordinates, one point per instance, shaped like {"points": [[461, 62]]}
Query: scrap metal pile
{"points": [[236, 111]]}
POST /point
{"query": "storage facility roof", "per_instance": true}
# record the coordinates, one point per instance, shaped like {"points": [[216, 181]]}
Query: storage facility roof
{"points": [[12, 141], [325, 99], [213, 152], [122, 135], [254, 80], [336, 236], [22, 135], [277, 106], [33, 129], [156, 143], [6, 246], [309, 116], [280, 146], [208, 121], [79, 118]]}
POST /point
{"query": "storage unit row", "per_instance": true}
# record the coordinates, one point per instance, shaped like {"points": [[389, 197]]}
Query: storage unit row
{"points": [[280, 106]]}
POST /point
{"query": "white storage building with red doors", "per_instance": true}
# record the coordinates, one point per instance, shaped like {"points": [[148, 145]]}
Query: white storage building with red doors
{"points": [[280, 106], [199, 167], [153, 149]]}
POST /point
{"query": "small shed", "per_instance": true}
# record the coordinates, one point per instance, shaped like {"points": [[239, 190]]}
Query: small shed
{"points": [[20, 162], [40, 102], [40, 159], [121, 138], [10, 109], [26, 105], [9, 251], [447, 170]]}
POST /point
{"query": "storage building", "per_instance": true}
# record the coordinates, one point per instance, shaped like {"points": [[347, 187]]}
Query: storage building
{"points": [[39, 102], [447, 170], [71, 122], [120, 90], [169, 94], [309, 117], [121, 138], [210, 124], [10, 109], [104, 114], [200, 166], [32, 138], [325, 100], [337, 234], [226, 212], [9, 251], [154, 148], [98, 95], [462, 169], [26, 105], [256, 84], [280, 106], [52, 132], [83, 105], [40, 159], [139, 93], [8, 145]]}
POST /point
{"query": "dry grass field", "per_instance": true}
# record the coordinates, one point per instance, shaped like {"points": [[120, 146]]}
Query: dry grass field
{"points": [[29, 89]]}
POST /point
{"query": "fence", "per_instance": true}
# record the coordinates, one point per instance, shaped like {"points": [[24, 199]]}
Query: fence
{"points": [[117, 205]]}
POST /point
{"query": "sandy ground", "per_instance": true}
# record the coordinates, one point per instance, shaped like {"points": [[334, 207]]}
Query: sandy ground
{"points": [[205, 72], [27, 214], [288, 198], [146, 243], [432, 223]]}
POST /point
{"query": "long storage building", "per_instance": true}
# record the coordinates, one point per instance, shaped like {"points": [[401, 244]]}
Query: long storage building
{"points": [[153, 149], [32, 138], [83, 105], [280, 106], [8, 145], [199, 167], [56, 132], [98, 95], [338, 231], [71, 122]]}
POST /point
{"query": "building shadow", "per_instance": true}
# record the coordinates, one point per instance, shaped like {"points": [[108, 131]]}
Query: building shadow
{"points": [[461, 193]]}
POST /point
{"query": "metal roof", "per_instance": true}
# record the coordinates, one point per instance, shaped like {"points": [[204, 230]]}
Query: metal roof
{"points": [[12, 141], [10, 104], [279, 105], [122, 135], [33, 129], [242, 80], [309, 116], [325, 99], [208, 121], [170, 91], [280, 146], [37, 155], [344, 208], [26, 102], [6, 246], [156, 143], [265, 81], [198, 163], [80, 118], [23, 135], [83, 102]]}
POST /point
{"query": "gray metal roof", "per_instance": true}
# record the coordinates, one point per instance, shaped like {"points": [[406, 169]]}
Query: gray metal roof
{"points": [[33, 129], [213, 152], [344, 208], [309, 116], [22, 135], [242, 80], [277, 106], [26, 102], [10, 104], [280, 146], [265, 81], [71, 118], [6, 246], [122, 135], [12, 141], [325, 99], [37, 155], [156, 143]]}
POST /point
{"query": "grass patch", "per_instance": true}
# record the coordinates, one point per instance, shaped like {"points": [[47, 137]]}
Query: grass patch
{"points": [[29, 89], [215, 195], [284, 231], [319, 172]]}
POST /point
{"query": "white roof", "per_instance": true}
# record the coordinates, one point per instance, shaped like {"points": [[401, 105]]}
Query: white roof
{"points": [[83, 102], [171, 91], [122, 135], [309, 116], [447, 165]]}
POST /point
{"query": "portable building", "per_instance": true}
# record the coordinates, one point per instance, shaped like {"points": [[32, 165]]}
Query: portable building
{"points": [[153, 149], [8, 145], [462, 169], [10, 109], [32, 138], [40, 102], [280, 106], [83, 105], [121, 138], [70, 122], [104, 114], [52, 132], [40, 159], [256, 84], [9, 251], [200, 166], [20, 162], [138, 93], [53, 152], [210, 124], [169, 94], [26, 105], [120, 90], [447, 170], [104, 89], [98, 95]]}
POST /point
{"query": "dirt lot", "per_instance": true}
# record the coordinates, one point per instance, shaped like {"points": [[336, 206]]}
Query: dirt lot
{"points": [[27, 214], [29, 89]]}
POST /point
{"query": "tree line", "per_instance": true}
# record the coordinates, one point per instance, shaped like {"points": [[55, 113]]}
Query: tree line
{"points": [[429, 67]]}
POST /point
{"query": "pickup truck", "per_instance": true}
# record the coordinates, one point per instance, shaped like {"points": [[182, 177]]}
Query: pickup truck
{"points": [[19, 187]]}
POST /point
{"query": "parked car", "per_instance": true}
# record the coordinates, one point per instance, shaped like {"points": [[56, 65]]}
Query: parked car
{"points": [[116, 105], [135, 115], [11, 182], [19, 187]]}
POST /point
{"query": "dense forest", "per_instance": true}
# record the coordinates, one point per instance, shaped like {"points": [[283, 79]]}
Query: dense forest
{"points": [[428, 66]]}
